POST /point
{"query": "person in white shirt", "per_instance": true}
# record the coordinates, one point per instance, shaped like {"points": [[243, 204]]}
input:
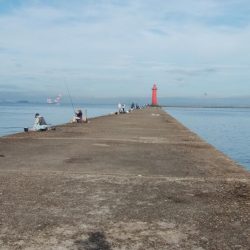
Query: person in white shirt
{"points": [[119, 108], [40, 123]]}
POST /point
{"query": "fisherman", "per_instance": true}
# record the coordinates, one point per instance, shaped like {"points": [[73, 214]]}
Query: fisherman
{"points": [[78, 116], [123, 108], [132, 106], [40, 123], [119, 108]]}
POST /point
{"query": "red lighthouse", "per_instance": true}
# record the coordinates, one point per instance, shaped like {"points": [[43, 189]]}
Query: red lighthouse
{"points": [[154, 96]]}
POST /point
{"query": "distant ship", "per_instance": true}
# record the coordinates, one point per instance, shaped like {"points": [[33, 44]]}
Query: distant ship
{"points": [[57, 100]]}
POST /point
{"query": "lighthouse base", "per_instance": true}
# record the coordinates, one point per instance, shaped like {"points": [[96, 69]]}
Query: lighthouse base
{"points": [[154, 105]]}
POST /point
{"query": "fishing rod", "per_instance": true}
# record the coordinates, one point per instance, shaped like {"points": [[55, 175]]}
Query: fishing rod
{"points": [[86, 119], [70, 97]]}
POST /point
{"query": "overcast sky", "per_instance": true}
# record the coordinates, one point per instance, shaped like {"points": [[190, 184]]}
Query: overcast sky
{"points": [[114, 48]]}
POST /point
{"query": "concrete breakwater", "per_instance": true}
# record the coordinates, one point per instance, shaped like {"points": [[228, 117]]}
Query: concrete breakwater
{"points": [[133, 181]]}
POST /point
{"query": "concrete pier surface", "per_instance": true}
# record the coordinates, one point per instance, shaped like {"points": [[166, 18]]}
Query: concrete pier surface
{"points": [[133, 181]]}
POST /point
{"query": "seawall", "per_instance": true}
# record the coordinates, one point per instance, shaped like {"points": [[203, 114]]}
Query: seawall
{"points": [[131, 181]]}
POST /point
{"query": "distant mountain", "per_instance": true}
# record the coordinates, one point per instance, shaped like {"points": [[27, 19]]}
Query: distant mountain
{"points": [[23, 101]]}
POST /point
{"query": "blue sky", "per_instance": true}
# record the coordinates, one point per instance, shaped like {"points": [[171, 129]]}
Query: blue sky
{"points": [[115, 48]]}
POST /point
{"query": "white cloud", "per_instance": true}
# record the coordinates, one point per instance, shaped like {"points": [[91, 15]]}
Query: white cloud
{"points": [[122, 44]]}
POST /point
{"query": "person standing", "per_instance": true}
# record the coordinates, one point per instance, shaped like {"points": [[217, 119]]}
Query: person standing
{"points": [[119, 108], [123, 108]]}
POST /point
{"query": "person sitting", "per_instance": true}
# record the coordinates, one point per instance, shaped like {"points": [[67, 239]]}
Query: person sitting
{"points": [[78, 116], [40, 123]]}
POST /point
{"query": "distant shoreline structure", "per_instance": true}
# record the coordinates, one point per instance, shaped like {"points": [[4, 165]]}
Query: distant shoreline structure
{"points": [[23, 101]]}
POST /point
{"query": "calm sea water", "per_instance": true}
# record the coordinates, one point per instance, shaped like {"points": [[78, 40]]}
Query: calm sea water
{"points": [[14, 117], [228, 129]]}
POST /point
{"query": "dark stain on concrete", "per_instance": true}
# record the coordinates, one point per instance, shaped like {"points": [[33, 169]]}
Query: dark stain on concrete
{"points": [[96, 241]]}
